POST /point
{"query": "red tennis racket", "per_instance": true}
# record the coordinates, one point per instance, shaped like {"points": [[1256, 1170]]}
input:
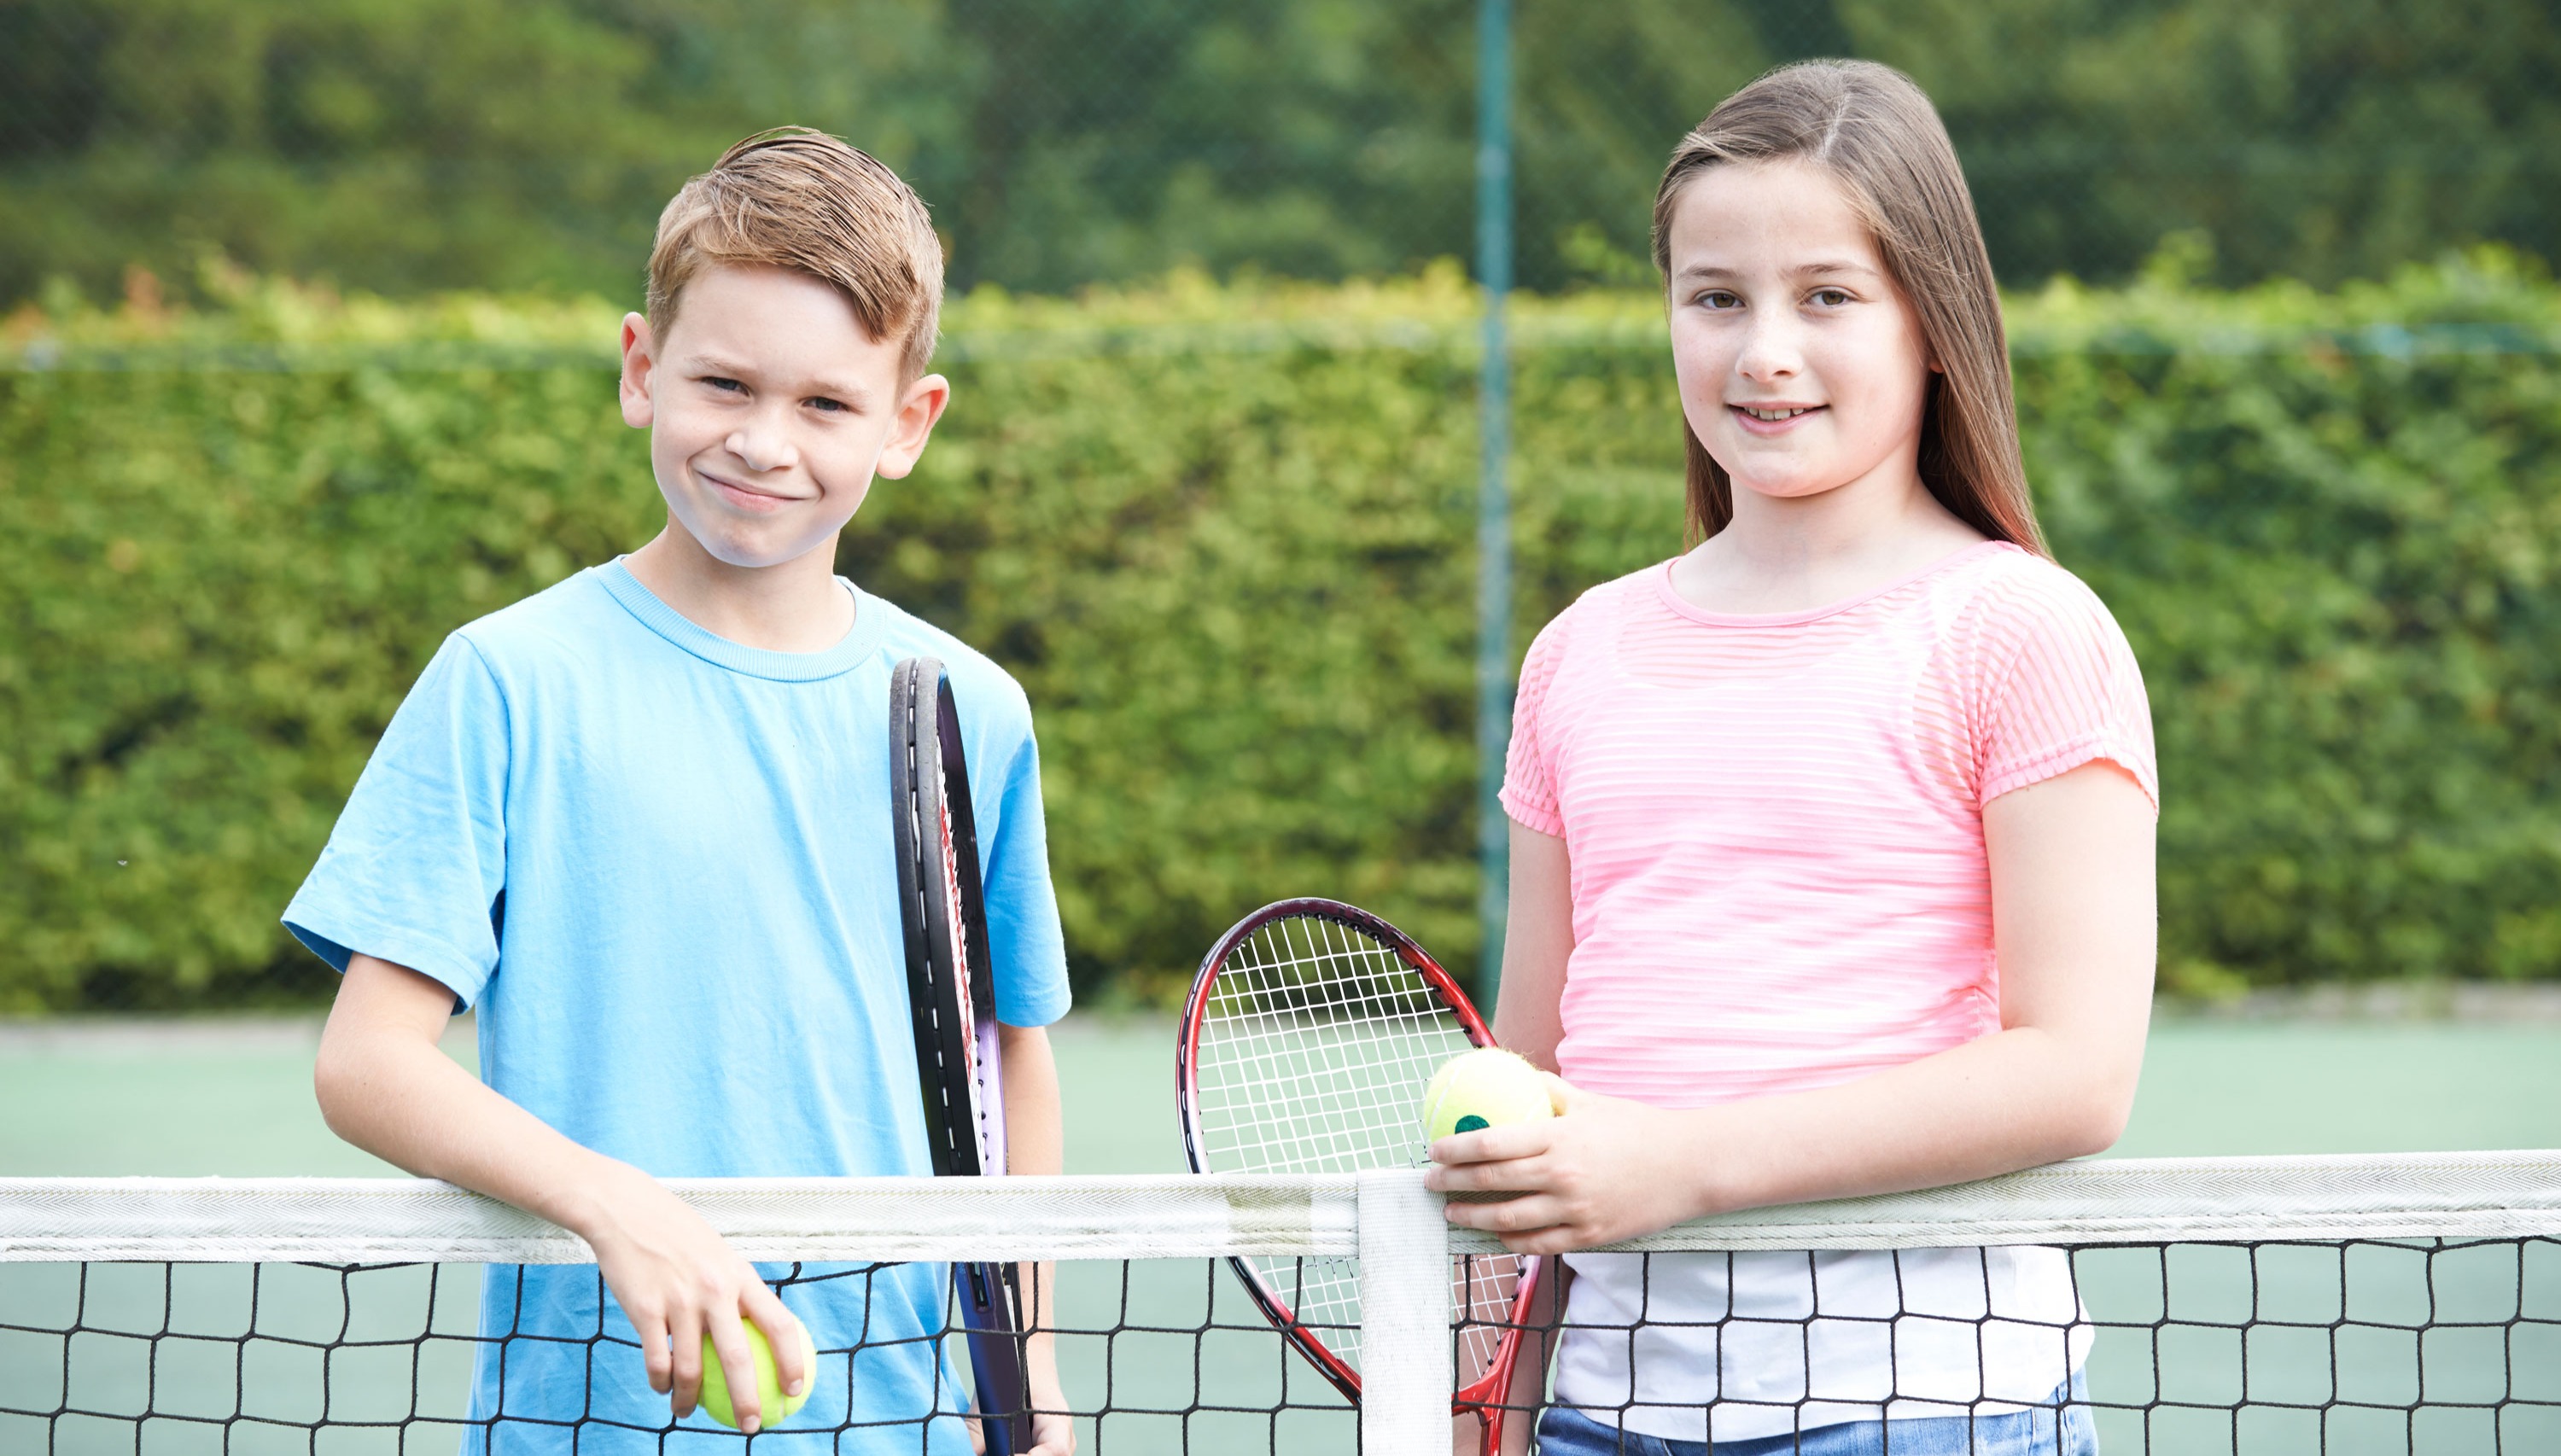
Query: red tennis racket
{"points": [[1312, 1031], [951, 988]]}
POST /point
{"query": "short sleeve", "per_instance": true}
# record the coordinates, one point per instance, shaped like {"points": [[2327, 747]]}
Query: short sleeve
{"points": [[2071, 694], [416, 867], [1025, 947], [1529, 776]]}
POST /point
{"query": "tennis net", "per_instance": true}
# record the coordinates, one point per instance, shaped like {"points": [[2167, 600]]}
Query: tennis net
{"points": [[2374, 1304]]}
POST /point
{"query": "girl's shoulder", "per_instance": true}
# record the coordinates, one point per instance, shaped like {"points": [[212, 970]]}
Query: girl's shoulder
{"points": [[1604, 605], [2017, 596]]}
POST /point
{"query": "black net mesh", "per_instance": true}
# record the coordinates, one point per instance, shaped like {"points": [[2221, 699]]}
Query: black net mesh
{"points": [[2417, 1347], [2425, 1346]]}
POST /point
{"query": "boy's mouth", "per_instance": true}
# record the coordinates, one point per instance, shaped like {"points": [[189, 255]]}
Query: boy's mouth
{"points": [[744, 497]]}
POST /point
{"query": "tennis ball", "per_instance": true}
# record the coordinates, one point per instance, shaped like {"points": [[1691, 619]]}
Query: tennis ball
{"points": [[775, 1408], [1487, 1087]]}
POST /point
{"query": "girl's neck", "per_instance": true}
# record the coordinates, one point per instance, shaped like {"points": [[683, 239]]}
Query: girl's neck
{"points": [[1796, 554]]}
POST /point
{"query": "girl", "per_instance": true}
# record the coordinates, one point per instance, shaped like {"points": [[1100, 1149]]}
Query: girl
{"points": [[1831, 839]]}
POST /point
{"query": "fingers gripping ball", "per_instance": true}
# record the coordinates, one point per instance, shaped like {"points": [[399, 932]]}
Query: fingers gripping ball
{"points": [[1487, 1087], [774, 1405]]}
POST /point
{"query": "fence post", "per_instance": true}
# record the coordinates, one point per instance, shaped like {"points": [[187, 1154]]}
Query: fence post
{"points": [[1493, 503], [1405, 1317]]}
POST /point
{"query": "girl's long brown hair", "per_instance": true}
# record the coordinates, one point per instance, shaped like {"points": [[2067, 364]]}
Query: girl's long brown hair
{"points": [[1871, 127]]}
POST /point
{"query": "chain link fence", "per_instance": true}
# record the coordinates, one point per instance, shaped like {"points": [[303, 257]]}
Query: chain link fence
{"points": [[409, 144]]}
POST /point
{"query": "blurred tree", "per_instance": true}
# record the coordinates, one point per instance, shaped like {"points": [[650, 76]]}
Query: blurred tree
{"points": [[405, 144]]}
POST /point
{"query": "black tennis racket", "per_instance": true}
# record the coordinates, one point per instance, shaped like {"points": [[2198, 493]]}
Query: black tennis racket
{"points": [[952, 988], [1310, 1033]]}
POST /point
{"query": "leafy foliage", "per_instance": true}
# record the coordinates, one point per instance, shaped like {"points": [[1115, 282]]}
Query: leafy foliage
{"points": [[1223, 533], [409, 144]]}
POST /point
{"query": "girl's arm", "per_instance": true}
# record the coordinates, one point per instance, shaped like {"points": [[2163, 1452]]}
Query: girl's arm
{"points": [[1036, 1144], [386, 1087], [1538, 938], [2073, 926]]}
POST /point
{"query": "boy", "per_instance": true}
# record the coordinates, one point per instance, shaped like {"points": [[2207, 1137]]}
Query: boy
{"points": [[641, 822]]}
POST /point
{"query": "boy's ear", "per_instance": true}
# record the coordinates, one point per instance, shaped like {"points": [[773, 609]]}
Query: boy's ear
{"points": [[917, 410], [639, 356]]}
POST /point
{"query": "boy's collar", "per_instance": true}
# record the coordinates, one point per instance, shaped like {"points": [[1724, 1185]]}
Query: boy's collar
{"points": [[848, 652]]}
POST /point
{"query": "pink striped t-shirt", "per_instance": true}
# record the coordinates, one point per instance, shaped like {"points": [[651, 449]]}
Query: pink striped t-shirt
{"points": [[1775, 830], [1774, 823]]}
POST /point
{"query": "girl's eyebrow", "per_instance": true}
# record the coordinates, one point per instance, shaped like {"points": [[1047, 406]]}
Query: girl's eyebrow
{"points": [[1823, 269]]}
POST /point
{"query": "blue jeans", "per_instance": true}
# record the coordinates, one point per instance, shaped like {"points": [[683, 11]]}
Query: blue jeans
{"points": [[2042, 1431]]}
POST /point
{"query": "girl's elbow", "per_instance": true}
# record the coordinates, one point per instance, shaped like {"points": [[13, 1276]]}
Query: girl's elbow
{"points": [[2098, 1120]]}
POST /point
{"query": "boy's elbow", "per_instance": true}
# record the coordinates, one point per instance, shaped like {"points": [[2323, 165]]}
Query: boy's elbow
{"points": [[332, 1080]]}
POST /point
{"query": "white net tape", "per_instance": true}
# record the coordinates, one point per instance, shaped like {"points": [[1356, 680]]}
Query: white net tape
{"points": [[2512, 1194]]}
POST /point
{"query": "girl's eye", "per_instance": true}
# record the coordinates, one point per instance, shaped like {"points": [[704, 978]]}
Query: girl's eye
{"points": [[1719, 298], [1830, 298]]}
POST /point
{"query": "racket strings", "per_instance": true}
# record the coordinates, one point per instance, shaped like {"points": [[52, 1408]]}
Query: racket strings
{"points": [[1315, 1047]]}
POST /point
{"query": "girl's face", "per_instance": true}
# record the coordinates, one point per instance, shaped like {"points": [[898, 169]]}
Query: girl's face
{"points": [[1802, 367]]}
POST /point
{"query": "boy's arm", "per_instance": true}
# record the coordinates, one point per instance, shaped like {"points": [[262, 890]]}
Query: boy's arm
{"points": [[385, 1086], [1035, 1145]]}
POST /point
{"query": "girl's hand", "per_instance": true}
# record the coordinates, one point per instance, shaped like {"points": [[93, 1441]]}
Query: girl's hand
{"points": [[678, 1281], [1599, 1171]]}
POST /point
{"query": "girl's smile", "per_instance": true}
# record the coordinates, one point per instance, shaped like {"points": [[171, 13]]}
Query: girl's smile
{"points": [[1771, 420]]}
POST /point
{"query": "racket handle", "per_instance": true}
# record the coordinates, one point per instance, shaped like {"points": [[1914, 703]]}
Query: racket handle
{"points": [[996, 1360]]}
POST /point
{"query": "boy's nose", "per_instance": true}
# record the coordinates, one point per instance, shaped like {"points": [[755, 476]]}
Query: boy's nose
{"points": [[763, 453]]}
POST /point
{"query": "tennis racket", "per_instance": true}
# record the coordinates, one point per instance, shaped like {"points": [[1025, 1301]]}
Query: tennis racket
{"points": [[1310, 1033], [952, 988]]}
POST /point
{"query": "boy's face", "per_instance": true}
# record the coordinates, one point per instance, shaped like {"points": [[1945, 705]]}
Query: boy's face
{"points": [[770, 409]]}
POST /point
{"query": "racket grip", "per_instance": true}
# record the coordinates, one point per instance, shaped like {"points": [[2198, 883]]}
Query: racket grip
{"points": [[996, 1360]]}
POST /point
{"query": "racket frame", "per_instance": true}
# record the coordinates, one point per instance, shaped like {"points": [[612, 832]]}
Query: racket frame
{"points": [[951, 994], [1484, 1396]]}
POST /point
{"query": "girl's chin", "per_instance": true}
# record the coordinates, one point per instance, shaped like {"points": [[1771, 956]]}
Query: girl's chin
{"points": [[1786, 487]]}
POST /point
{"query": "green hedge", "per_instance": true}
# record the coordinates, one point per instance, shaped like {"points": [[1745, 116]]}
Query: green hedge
{"points": [[1223, 533]]}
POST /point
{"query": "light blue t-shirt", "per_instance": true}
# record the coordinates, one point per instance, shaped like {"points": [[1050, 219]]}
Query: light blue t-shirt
{"points": [[658, 864]]}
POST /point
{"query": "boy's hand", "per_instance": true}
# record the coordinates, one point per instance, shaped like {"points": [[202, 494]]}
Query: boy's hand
{"points": [[678, 1281], [1053, 1430], [1592, 1174]]}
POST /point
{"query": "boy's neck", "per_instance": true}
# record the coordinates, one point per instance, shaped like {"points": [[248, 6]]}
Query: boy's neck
{"points": [[791, 607]]}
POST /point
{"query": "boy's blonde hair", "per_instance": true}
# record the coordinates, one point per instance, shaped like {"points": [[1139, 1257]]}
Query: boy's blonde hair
{"points": [[794, 198]]}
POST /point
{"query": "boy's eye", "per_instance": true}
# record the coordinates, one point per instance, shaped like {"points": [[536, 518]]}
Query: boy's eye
{"points": [[1719, 298], [825, 406], [725, 385]]}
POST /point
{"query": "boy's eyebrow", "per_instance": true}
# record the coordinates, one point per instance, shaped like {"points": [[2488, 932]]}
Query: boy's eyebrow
{"points": [[846, 390]]}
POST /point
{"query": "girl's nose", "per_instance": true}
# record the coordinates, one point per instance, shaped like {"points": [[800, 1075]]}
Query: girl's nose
{"points": [[1770, 351]]}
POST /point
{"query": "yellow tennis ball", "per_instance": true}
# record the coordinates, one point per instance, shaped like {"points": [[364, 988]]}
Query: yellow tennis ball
{"points": [[772, 1406], [1487, 1087]]}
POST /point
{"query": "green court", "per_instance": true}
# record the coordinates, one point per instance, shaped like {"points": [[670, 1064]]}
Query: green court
{"points": [[232, 1098]]}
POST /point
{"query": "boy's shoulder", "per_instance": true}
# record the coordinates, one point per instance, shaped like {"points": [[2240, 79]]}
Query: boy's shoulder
{"points": [[568, 619], [974, 675]]}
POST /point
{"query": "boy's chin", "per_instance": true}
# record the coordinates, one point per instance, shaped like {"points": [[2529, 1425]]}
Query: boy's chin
{"points": [[757, 550]]}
